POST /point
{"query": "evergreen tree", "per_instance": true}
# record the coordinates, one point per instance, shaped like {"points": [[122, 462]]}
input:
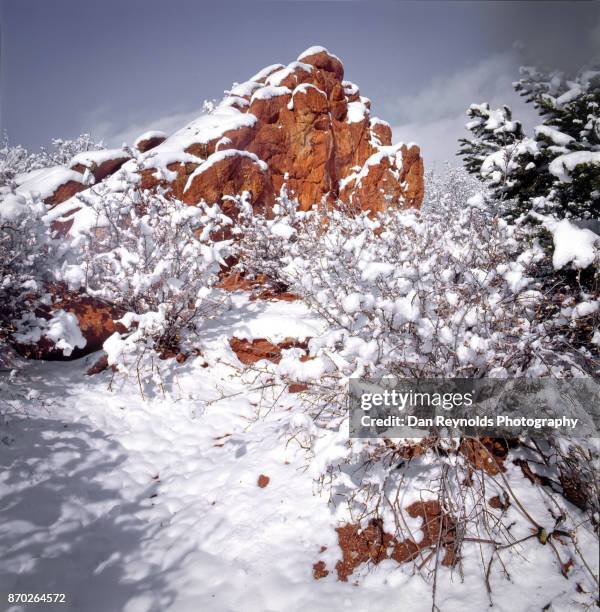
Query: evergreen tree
{"points": [[557, 170]]}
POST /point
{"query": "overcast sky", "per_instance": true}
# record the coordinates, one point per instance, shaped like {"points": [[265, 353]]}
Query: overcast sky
{"points": [[118, 67]]}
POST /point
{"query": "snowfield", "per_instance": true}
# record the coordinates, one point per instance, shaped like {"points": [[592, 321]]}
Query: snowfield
{"points": [[153, 504]]}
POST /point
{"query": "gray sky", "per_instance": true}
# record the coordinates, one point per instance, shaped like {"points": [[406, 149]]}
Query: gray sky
{"points": [[118, 67]]}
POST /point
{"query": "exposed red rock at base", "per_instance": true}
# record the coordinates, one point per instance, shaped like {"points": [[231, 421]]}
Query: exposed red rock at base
{"points": [[97, 321], [251, 351], [320, 570], [99, 366], [260, 288], [438, 527], [372, 544], [297, 387], [361, 545]]}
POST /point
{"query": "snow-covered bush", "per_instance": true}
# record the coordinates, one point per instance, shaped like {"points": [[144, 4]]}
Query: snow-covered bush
{"points": [[63, 150], [15, 160], [31, 260], [452, 290], [28, 256], [450, 186], [155, 259]]}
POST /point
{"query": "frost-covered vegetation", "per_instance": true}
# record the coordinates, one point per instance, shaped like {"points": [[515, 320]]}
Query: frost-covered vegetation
{"points": [[27, 255], [453, 290], [16, 159], [155, 259]]}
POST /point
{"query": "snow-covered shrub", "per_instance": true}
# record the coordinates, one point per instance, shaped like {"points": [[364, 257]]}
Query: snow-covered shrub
{"points": [[63, 150], [155, 259], [28, 257], [451, 186], [15, 160], [452, 290]]}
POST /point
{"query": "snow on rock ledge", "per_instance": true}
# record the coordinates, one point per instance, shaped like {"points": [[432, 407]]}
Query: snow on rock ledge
{"points": [[54, 185], [148, 140], [310, 127], [227, 173], [101, 163]]}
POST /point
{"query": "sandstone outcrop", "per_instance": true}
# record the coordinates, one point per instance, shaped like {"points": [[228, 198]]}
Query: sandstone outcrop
{"points": [[149, 140], [301, 125], [100, 163]]}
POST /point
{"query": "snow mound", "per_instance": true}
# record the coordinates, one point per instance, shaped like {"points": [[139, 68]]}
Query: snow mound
{"points": [[266, 93], [95, 158], [276, 78], [261, 75]]}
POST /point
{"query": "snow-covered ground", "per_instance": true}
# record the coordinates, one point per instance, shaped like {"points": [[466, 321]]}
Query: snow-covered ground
{"points": [[137, 504]]}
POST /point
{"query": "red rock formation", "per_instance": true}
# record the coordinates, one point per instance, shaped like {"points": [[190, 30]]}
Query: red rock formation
{"points": [[101, 163], [312, 129], [388, 176], [301, 125], [228, 173]]}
